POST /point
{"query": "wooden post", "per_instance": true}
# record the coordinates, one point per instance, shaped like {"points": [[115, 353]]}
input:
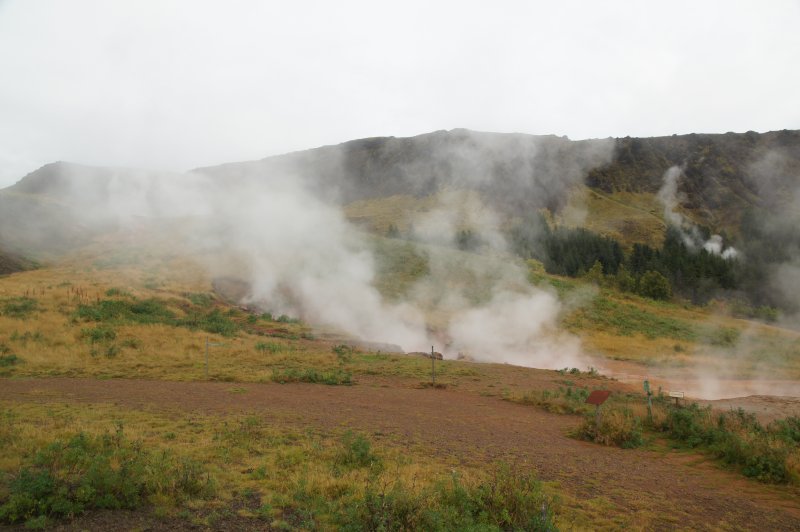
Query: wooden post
{"points": [[206, 357], [433, 367]]}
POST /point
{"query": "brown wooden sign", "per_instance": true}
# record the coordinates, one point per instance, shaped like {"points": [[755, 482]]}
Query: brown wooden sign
{"points": [[598, 397]]}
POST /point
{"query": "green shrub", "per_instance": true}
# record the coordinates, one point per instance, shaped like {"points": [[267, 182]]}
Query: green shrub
{"points": [[18, 307], [27, 337], [98, 334], [510, 499], [724, 337], [201, 300], [214, 322], [787, 429], [343, 352], [270, 347], [738, 439], [145, 311], [9, 360], [356, 452], [156, 311], [83, 472], [9, 428], [655, 286], [112, 351], [626, 320], [334, 377], [616, 426], [132, 343], [118, 292], [567, 400]]}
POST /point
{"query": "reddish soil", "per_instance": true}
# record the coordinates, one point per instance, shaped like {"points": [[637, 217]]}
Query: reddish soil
{"points": [[655, 490]]}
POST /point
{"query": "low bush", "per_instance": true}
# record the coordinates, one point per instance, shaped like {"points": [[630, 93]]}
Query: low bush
{"points": [[200, 299], [214, 322], [132, 343], [333, 377], [9, 429], [343, 352], [27, 336], [18, 307], [156, 311], [616, 426], [98, 334], [627, 320], [567, 400], [356, 452], [510, 499], [85, 472], [118, 292], [724, 337], [145, 311], [769, 454], [6, 361], [270, 347]]}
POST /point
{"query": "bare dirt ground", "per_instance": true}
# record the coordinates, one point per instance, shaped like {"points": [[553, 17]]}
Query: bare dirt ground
{"points": [[656, 490]]}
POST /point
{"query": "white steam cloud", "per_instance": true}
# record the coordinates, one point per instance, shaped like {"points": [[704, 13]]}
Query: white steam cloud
{"points": [[272, 227], [669, 197]]}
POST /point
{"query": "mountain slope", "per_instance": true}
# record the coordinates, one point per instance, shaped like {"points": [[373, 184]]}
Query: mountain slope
{"points": [[724, 176]]}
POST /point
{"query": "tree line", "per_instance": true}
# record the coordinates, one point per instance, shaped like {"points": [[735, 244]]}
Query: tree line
{"points": [[659, 273]]}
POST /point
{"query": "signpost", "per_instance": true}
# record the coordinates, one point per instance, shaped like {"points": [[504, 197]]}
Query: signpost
{"points": [[597, 398], [677, 396]]}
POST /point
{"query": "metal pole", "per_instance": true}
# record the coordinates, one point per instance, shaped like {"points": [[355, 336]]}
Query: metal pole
{"points": [[206, 357]]}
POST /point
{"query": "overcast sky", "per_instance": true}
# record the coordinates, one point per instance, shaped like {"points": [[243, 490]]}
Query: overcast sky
{"points": [[180, 84]]}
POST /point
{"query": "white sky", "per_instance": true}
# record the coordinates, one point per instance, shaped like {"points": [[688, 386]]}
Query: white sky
{"points": [[180, 84]]}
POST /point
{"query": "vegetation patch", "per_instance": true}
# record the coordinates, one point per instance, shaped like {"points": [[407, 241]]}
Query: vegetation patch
{"points": [[511, 498], [98, 334], [9, 360], [615, 426], [118, 292], [356, 452], [200, 299], [83, 472], [333, 377], [18, 307], [567, 400], [157, 311], [270, 347], [769, 454], [627, 320]]}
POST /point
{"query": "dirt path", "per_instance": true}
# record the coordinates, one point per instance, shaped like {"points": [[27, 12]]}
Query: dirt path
{"points": [[668, 491]]}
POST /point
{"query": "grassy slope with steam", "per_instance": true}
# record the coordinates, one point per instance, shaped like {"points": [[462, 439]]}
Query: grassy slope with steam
{"points": [[112, 312]]}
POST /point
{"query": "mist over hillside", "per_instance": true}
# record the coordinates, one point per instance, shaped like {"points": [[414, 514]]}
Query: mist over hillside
{"points": [[480, 192], [723, 175]]}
